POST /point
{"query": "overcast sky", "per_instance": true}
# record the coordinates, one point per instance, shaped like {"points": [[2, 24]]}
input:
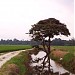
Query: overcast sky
{"points": [[17, 16]]}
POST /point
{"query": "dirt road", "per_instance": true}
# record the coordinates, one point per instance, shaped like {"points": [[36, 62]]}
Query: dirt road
{"points": [[7, 56]]}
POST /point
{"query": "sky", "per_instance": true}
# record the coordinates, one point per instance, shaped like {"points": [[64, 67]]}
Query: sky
{"points": [[17, 16]]}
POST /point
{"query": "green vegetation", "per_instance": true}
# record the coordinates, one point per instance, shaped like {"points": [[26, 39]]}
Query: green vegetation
{"points": [[8, 48], [68, 60], [68, 57], [20, 67], [70, 49]]}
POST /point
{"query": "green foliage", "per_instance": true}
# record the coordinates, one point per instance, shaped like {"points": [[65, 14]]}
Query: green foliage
{"points": [[48, 27], [8, 48]]}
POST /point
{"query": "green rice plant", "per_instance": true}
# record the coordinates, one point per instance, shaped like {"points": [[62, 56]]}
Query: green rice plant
{"points": [[8, 48]]}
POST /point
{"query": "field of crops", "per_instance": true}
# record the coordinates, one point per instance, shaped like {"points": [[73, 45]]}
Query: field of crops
{"points": [[23, 57], [8, 48], [70, 49]]}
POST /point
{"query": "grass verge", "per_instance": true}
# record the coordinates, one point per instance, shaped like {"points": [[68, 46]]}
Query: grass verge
{"points": [[18, 65]]}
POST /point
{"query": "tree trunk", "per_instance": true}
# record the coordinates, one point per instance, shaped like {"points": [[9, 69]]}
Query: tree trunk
{"points": [[44, 45], [47, 52], [49, 55], [44, 62]]}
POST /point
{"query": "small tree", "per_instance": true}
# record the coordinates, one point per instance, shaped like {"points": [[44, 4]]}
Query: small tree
{"points": [[44, 30]]}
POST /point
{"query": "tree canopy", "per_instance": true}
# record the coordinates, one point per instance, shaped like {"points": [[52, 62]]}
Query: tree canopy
{"points": [[48, 27]]}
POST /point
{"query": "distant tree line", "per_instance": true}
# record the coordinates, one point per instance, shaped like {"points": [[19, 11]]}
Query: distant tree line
{"points": [[60, 42], [56, 42], [17, 42]]}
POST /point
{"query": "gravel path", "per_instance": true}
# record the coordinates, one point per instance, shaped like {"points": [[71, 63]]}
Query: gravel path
{"points": [[5, 57]]}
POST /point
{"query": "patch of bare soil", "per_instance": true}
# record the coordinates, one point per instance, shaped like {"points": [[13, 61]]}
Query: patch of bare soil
{"points": [[58, 53]]}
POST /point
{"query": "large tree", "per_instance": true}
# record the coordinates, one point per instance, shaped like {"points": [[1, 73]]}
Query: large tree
{"points": [[44, 30]]}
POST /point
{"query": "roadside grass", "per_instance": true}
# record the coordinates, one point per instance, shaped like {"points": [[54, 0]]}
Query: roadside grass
{"points": [[9, 48], [19, 61]]}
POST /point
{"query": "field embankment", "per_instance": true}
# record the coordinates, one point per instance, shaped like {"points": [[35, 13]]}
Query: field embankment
{"points": [[65, 55], [70, 49]]}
